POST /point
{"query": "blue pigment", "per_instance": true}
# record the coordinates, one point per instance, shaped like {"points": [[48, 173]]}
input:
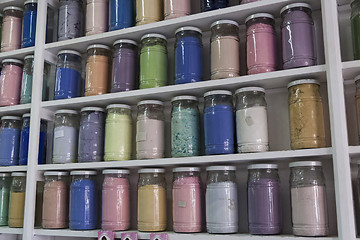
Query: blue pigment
{"points": [[9, 146], [29, 25], [208, 5], [67, 83], [121, 14]]}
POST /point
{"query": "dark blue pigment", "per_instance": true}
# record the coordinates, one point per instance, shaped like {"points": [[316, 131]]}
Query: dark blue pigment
{"points": [[121, 14], [83, 205], [188, 60], [9, 146], [67, 83], [29, 25], [208, 5], [219, 129]]}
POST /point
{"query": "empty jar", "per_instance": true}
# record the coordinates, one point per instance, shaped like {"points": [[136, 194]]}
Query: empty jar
{"points": [[10, 82], [149, 11], [208, 5], [264, 206], [218, 122], [151, 200], [306, 114], [153, 61], [97, 69], [55, 200], [251, 120], [355, 28], [185, 127], [118, 133], [17, 200], [150, 126], [176, 8], [115, 200], [308, 199], [11, 29], [83, 207], [65, 139], [298, 36], [70, 19], [225, 49], [186, 200], [188, 55], [68, 75], [5, 182], [91, 134], [221, 200], [121, 14], [124, 66], [10, 140], [97, 12], [29, 23]]}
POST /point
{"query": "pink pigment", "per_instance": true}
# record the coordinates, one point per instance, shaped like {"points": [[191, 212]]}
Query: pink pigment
{"points": [[11, 33], [10, 85]]}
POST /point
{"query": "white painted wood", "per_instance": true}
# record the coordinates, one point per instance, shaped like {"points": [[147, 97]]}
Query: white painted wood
{"points": [[15, 110]]}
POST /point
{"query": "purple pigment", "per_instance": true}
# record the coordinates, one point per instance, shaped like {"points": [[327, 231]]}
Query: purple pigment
{"points": [[264, 207], [298, 38]]}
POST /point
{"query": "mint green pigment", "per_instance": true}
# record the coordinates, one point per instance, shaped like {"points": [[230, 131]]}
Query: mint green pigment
{"points": [[4, 200]]}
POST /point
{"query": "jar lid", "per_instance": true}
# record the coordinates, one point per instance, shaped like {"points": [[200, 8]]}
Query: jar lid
{"points": [[116, 171], [66, 111], [294, 5], [305, 164], [25, 115], [156, 102], [98, 46], [221, 168], [357, 78], [153, 35], [118, 106], [185, 97], [55, 173], [218, 92], [4, 174], [10, 118], [95, 109], [263, 166], [28, 57], [151, 170], [250, 89], [303, 81], [30, 1], [188, 28], [12, 60], [13, 8], [259, 15], [69, 52], [224, 22], [125, 41], [186, 169], [82, 173], [18, 174]]}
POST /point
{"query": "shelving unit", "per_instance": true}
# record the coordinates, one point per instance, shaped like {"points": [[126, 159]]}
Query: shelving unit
{"points": [[334, 66]]}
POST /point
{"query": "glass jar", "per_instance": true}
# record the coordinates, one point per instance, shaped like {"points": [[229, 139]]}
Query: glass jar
{"points": [[70, 19], [29, 23], [5, 182], [11, 29], [298, 36], [65, 139], [150, 126], [153, 61], [186, 200], [27, 80], [251, 120], [208, 5], [97, 69], [218, 122], [176, 8], [55, 200], [116, 200], [10, 82], [124, 66], [10, 140], [188, 55], [355, 28], [151, 200], [260, 43], [308, 199], [83, 200], [24, 141], [96, 17], [91, 134], [225, 49], [185, 127], [306, 114], [118, 133], [68, 75], [17, 200], [221, 200], [122, 14], [149, 11], [264, 206]]}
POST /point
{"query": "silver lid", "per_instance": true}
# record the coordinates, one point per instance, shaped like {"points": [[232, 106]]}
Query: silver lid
{"points": [[263, 166], [98, 46], [69, 52], [259, 15], [116, 171], [218, 92], [250, 89], [5, 174], [13, 8], [12, 60], [25, 115], [30, 1], [67, 111], [56, 173], [224, 22], [303, 81], [94, 109], [293, 5], [221, 168], [186, 169], [118, 106], [18, 174], [125, 41], [184, 97], [305, 164], [151, 170], [156, 102], [155, 35], [82, 173], [11, 118], [188, 28]]}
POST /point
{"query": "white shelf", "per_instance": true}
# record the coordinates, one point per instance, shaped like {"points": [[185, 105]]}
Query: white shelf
{"points": [[13, 169], [8, 230], [17, 54], [15, 110]]}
